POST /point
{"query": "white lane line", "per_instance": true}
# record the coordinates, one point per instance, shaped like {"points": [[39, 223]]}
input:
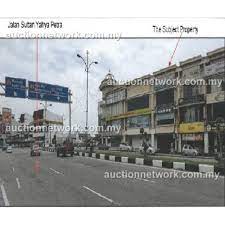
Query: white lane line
{"points": [[4, 195], [13, 169], [152, 181], [100, 195], [55, 171], [18, 183]]}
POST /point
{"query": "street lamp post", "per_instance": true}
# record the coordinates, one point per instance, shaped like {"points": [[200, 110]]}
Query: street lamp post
{"points": [[45, 115], [87, 67]]}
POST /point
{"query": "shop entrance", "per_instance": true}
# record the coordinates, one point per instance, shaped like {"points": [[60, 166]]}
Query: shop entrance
{"points": [[164, 142]]}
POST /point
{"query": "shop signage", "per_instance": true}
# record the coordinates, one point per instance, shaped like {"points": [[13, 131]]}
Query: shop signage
{"points": [[187, 128], [137, 112]]}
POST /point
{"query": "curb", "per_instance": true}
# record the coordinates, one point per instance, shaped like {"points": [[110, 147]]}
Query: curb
{"points": [[182, 166]]}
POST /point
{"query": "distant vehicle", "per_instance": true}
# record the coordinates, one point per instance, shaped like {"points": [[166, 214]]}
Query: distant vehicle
{"points": [[65, 149], [9, 149], [35, 150], [103, 147], [188, 150], [150, 149], [125, 147]]}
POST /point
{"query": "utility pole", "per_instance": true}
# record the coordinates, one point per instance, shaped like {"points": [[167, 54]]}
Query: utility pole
{"points": [[87, 94], [70, 102]]}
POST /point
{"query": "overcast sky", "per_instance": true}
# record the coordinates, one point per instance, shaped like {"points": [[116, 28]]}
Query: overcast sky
{"points": [[59, 65]]}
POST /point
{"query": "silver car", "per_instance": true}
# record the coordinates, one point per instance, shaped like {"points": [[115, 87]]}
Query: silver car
{"points": [[9, 149], [125, 147], [189, 150]]}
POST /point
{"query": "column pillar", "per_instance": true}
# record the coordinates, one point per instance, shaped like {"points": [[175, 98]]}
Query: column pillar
{"points": [[179, 143], [153, 140], [206, 143]]}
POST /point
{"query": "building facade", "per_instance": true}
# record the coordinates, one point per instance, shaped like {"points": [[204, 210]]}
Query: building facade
{"points": [[171, 113]]}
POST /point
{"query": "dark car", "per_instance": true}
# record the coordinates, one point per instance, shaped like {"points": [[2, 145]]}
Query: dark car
{"points": [[103, 147], [66, 149], [35, 150]]}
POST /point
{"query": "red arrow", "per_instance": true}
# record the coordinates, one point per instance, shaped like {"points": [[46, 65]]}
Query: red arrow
{"points": [[171, 58]]}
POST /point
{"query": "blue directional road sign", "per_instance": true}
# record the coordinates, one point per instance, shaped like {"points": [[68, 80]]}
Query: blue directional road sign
{"points": [[15, 87], [47, 92]]}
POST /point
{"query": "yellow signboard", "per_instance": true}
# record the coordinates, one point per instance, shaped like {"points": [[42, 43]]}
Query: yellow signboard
{"points": [[138, 112], [187, 128]]}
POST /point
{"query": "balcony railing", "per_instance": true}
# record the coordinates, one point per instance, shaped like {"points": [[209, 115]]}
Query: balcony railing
{"points": [[192, 100]]}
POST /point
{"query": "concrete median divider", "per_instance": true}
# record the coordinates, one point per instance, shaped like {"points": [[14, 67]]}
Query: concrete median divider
{"points": [[112, 158], [179, 165], [183, 166], [139, 161], [203, 168], [157, 163], [124, 159]]}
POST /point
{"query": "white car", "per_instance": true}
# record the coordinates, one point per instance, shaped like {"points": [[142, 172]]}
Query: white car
{"points": [[189, 150], [150, 149], [125, 147], [9, 149]]}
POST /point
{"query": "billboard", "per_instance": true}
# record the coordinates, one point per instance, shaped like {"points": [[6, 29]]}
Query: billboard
{"points": [[6, 115], [47, 92], [15, 87]]}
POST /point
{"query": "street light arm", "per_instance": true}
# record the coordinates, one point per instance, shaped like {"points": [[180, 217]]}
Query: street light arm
{"points": [[83, 62], [94, 62]]}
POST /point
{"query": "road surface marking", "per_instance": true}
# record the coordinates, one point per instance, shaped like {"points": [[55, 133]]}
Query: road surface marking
{"points": [[4, 195], [13, 169], [152, 181], [100, 195], [55, 171], [18, 183]]}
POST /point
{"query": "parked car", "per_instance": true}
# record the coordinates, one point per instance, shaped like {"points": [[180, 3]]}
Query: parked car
{"points": [[125, 147], [103, 147], [35, 150], [150, 149], [188, 150], [9, 149]]}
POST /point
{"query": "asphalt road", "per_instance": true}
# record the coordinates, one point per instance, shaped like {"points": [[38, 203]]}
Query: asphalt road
{"points": [[80, 181]]}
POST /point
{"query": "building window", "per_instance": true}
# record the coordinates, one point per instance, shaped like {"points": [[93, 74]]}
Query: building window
{"points": [[115, 97], [138, 103], [165, 97], [114, 109], [192, 114], [165, 118]]}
